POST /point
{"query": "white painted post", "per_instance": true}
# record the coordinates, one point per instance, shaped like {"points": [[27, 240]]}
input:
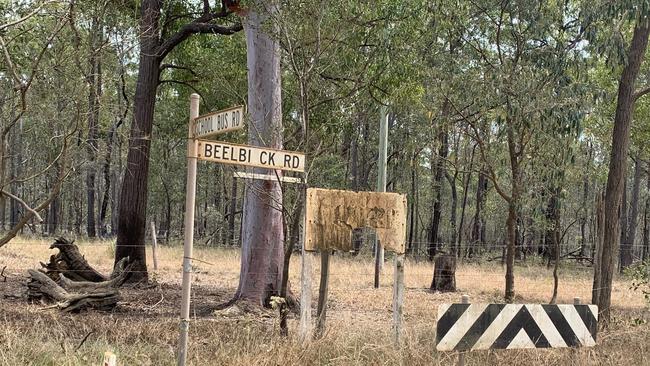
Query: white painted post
{"points": [[398, 298], [461, 355], [189, 232], [154, 246], [304, 333]]}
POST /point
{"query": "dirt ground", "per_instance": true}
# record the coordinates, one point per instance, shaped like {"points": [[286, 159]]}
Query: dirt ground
{"points": [[143, 329]]}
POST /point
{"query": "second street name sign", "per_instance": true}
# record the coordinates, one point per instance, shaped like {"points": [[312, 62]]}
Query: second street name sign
{"points": [[219, 122], [261, 157]]}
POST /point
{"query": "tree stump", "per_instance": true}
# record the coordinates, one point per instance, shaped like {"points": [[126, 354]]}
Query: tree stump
{"points": [[444, 274], [71, 263]]}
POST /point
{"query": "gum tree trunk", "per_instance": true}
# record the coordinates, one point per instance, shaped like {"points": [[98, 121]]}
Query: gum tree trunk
{"points": [[618, 167], [131, 225], [262, 227]]}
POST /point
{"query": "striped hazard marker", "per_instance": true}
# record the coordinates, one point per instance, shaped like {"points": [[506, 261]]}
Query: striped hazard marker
{"points": [[463, 327]]}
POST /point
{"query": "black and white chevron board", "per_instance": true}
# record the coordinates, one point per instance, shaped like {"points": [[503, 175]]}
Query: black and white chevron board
{"points": [[464, 327]]}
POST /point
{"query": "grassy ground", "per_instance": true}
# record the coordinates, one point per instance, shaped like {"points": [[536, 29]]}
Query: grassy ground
{"points": [[143, 330]]}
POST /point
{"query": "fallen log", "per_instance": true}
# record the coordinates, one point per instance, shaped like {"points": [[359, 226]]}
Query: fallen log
{"points": [[73, 284], [119, 276], [43, 287]]}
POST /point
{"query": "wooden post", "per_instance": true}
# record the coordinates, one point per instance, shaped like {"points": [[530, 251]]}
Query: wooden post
{"points": [[461, 355], [377, 261], [321, 312], [189, 231], [304, 333], [381, 182], [398, 298], [154, 246]]}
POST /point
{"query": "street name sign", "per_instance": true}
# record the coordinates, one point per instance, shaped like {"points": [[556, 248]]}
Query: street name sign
{"points": [[261, 157], [218, 122]]}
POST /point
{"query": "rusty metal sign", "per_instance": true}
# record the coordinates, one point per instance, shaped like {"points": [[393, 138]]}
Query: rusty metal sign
{"points": [[331, 215]]}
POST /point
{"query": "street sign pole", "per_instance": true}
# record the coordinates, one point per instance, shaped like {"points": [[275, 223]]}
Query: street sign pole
{"points": [[189, 231]]}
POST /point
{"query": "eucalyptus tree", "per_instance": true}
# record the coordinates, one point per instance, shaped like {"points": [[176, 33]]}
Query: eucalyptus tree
{"points": [[32, 47], [611, 41], [163, 26], [521, 52]]}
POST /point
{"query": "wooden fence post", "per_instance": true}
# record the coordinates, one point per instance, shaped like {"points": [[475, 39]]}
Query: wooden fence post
{"points": [[323, 287], [461, 355], [398, 297], [304, 332]]}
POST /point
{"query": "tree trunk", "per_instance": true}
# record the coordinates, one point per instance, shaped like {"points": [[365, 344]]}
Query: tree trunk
{"points": [[106, 170], [466, 178], [646, 230], [15, 172], [513, 211], [94, 92], [478, 228], [131, 226], [646, 223], [436, 188], [411, 202], [584, 216], [598, 246], [624, 221], [627, 248], [618, 165], [453, 249], [262, 228]]}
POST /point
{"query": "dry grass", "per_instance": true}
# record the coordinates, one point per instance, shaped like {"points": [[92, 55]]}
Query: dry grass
{"points": [[144, 330]]}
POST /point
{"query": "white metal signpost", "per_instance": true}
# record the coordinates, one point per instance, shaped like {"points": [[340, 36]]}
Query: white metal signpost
{"points": [[211, 124]]}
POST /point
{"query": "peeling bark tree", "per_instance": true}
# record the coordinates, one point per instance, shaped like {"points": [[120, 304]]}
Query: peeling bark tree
{"points": [[262, 227], [131, 226]]}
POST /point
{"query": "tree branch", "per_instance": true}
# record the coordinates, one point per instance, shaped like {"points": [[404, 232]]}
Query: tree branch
{"points": [[187, 84], [24, 204], [172, 66], [200, 25], [641, 93]]}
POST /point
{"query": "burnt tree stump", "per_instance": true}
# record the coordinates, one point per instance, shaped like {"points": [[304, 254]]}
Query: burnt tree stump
{"points": [[444, 274]]}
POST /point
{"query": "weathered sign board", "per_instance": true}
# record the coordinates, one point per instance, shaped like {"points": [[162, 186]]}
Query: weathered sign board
{"points": [[463, 327], [227, 153], [332, 214], [218, 122]]}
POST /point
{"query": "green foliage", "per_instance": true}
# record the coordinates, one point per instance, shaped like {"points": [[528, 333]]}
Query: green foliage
{"points": [[640, 276]]}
